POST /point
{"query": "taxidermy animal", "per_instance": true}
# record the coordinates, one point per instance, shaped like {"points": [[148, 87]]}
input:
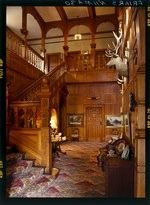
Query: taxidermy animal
{"points": [[119, 63]]}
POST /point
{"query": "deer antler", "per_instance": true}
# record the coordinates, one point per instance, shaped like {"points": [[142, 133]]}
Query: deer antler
{"points": [[118, 42], [109, 53], [114, 51]]}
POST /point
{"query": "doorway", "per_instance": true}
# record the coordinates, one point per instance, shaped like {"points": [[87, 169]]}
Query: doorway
{"points": [[94, 121], [53, 120]]}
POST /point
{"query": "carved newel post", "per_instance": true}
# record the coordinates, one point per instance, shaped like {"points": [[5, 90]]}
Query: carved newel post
{"points": [[46, 148]]}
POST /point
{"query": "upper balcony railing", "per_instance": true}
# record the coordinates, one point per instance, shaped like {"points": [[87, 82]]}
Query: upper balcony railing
{"points": [[83, 62], [17, 46], [79, 62]]}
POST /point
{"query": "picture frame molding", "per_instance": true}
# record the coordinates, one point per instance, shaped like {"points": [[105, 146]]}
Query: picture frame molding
{"points": [[75, 120], [112, 118]]}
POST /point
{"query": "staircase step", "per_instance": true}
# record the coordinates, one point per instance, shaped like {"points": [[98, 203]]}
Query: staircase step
{"points": [[20, 167], [22, 186], [39, 186], [21, 182], [33, 160], [37, 190], [9, 149], [37, 170], [24, 179], [12, 158], [33, 171]]}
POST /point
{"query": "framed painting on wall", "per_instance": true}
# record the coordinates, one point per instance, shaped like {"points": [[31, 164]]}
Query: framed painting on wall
{"points": [[113, 121], [75, 120]]}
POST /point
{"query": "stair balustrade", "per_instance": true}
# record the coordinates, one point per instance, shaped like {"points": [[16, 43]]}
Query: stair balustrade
{"points": [[24, 114], [17, 46], [55, 77]]}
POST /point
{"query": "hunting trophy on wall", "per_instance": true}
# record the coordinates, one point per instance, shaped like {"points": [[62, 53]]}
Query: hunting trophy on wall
{"points": [[120, 64]]}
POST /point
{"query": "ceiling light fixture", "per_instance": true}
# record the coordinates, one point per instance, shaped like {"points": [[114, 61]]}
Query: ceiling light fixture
{"points": [[77, 36]]}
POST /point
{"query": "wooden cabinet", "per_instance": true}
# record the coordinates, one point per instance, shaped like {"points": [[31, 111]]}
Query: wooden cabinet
{"points": [[119, 177]]}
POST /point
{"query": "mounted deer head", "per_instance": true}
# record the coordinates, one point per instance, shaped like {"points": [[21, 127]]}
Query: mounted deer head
{"points": [[120, 65]]}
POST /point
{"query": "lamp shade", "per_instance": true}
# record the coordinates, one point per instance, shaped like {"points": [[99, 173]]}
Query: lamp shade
{"points": [[77, 36]]}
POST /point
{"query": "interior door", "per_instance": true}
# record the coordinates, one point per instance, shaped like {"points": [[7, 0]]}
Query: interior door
{"points": [[94, 124], [53, 59]]}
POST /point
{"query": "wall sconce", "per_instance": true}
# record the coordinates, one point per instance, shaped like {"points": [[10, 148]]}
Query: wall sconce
{"points": [[132, 102]]}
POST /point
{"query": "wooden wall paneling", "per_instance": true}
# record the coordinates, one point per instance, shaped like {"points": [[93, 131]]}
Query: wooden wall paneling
{"points": [[19, 74], [106, 76], [140, 180], [111, 100], [140, 26], [140, 186], [141, 115], [28, 141], [63, 117], [76, 99], [140, 87], [46, 149], [15, 63], [17, 82], [112, 109], [53, 60], [75, 109], [136, 84]]}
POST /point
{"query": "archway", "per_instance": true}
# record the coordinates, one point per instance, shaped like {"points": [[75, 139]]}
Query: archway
{"points": [[54, 121]]}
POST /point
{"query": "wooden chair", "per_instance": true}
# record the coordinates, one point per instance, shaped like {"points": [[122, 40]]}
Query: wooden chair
{"points": [[75, 134]]}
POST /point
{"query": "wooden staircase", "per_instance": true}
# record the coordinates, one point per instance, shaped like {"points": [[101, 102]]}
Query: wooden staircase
{"points": [[23, 178]]}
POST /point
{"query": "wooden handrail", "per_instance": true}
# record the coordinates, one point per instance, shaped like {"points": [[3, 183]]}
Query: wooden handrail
{"points": [[17, 45], [52, 77]]}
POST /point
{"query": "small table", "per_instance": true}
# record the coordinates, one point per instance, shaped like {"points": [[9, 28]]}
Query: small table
{"points": [[56, 146]]}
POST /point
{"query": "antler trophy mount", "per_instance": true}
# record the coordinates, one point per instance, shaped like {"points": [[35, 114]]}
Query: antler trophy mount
{"points": [[119, 63]]}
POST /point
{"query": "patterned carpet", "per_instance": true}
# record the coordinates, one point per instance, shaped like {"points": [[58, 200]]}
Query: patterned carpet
{"points": [[79, 176]]}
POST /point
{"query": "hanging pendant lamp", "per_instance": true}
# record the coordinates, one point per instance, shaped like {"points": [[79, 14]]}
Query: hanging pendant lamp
{"points": [[77, 36]]}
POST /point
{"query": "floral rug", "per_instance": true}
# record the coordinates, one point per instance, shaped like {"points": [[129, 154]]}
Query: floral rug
{"points": [[79, 176]]}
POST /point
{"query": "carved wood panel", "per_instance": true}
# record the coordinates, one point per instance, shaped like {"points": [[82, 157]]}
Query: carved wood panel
{"points": [[94, 123]]}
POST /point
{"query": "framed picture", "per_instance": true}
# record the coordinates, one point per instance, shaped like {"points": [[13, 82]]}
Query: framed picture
{"points": [[75, 119], [113, 121]]}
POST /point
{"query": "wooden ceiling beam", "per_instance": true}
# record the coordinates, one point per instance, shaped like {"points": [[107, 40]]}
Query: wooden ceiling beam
{"points": [[62, 13], [33, 11], [91, 11]]}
